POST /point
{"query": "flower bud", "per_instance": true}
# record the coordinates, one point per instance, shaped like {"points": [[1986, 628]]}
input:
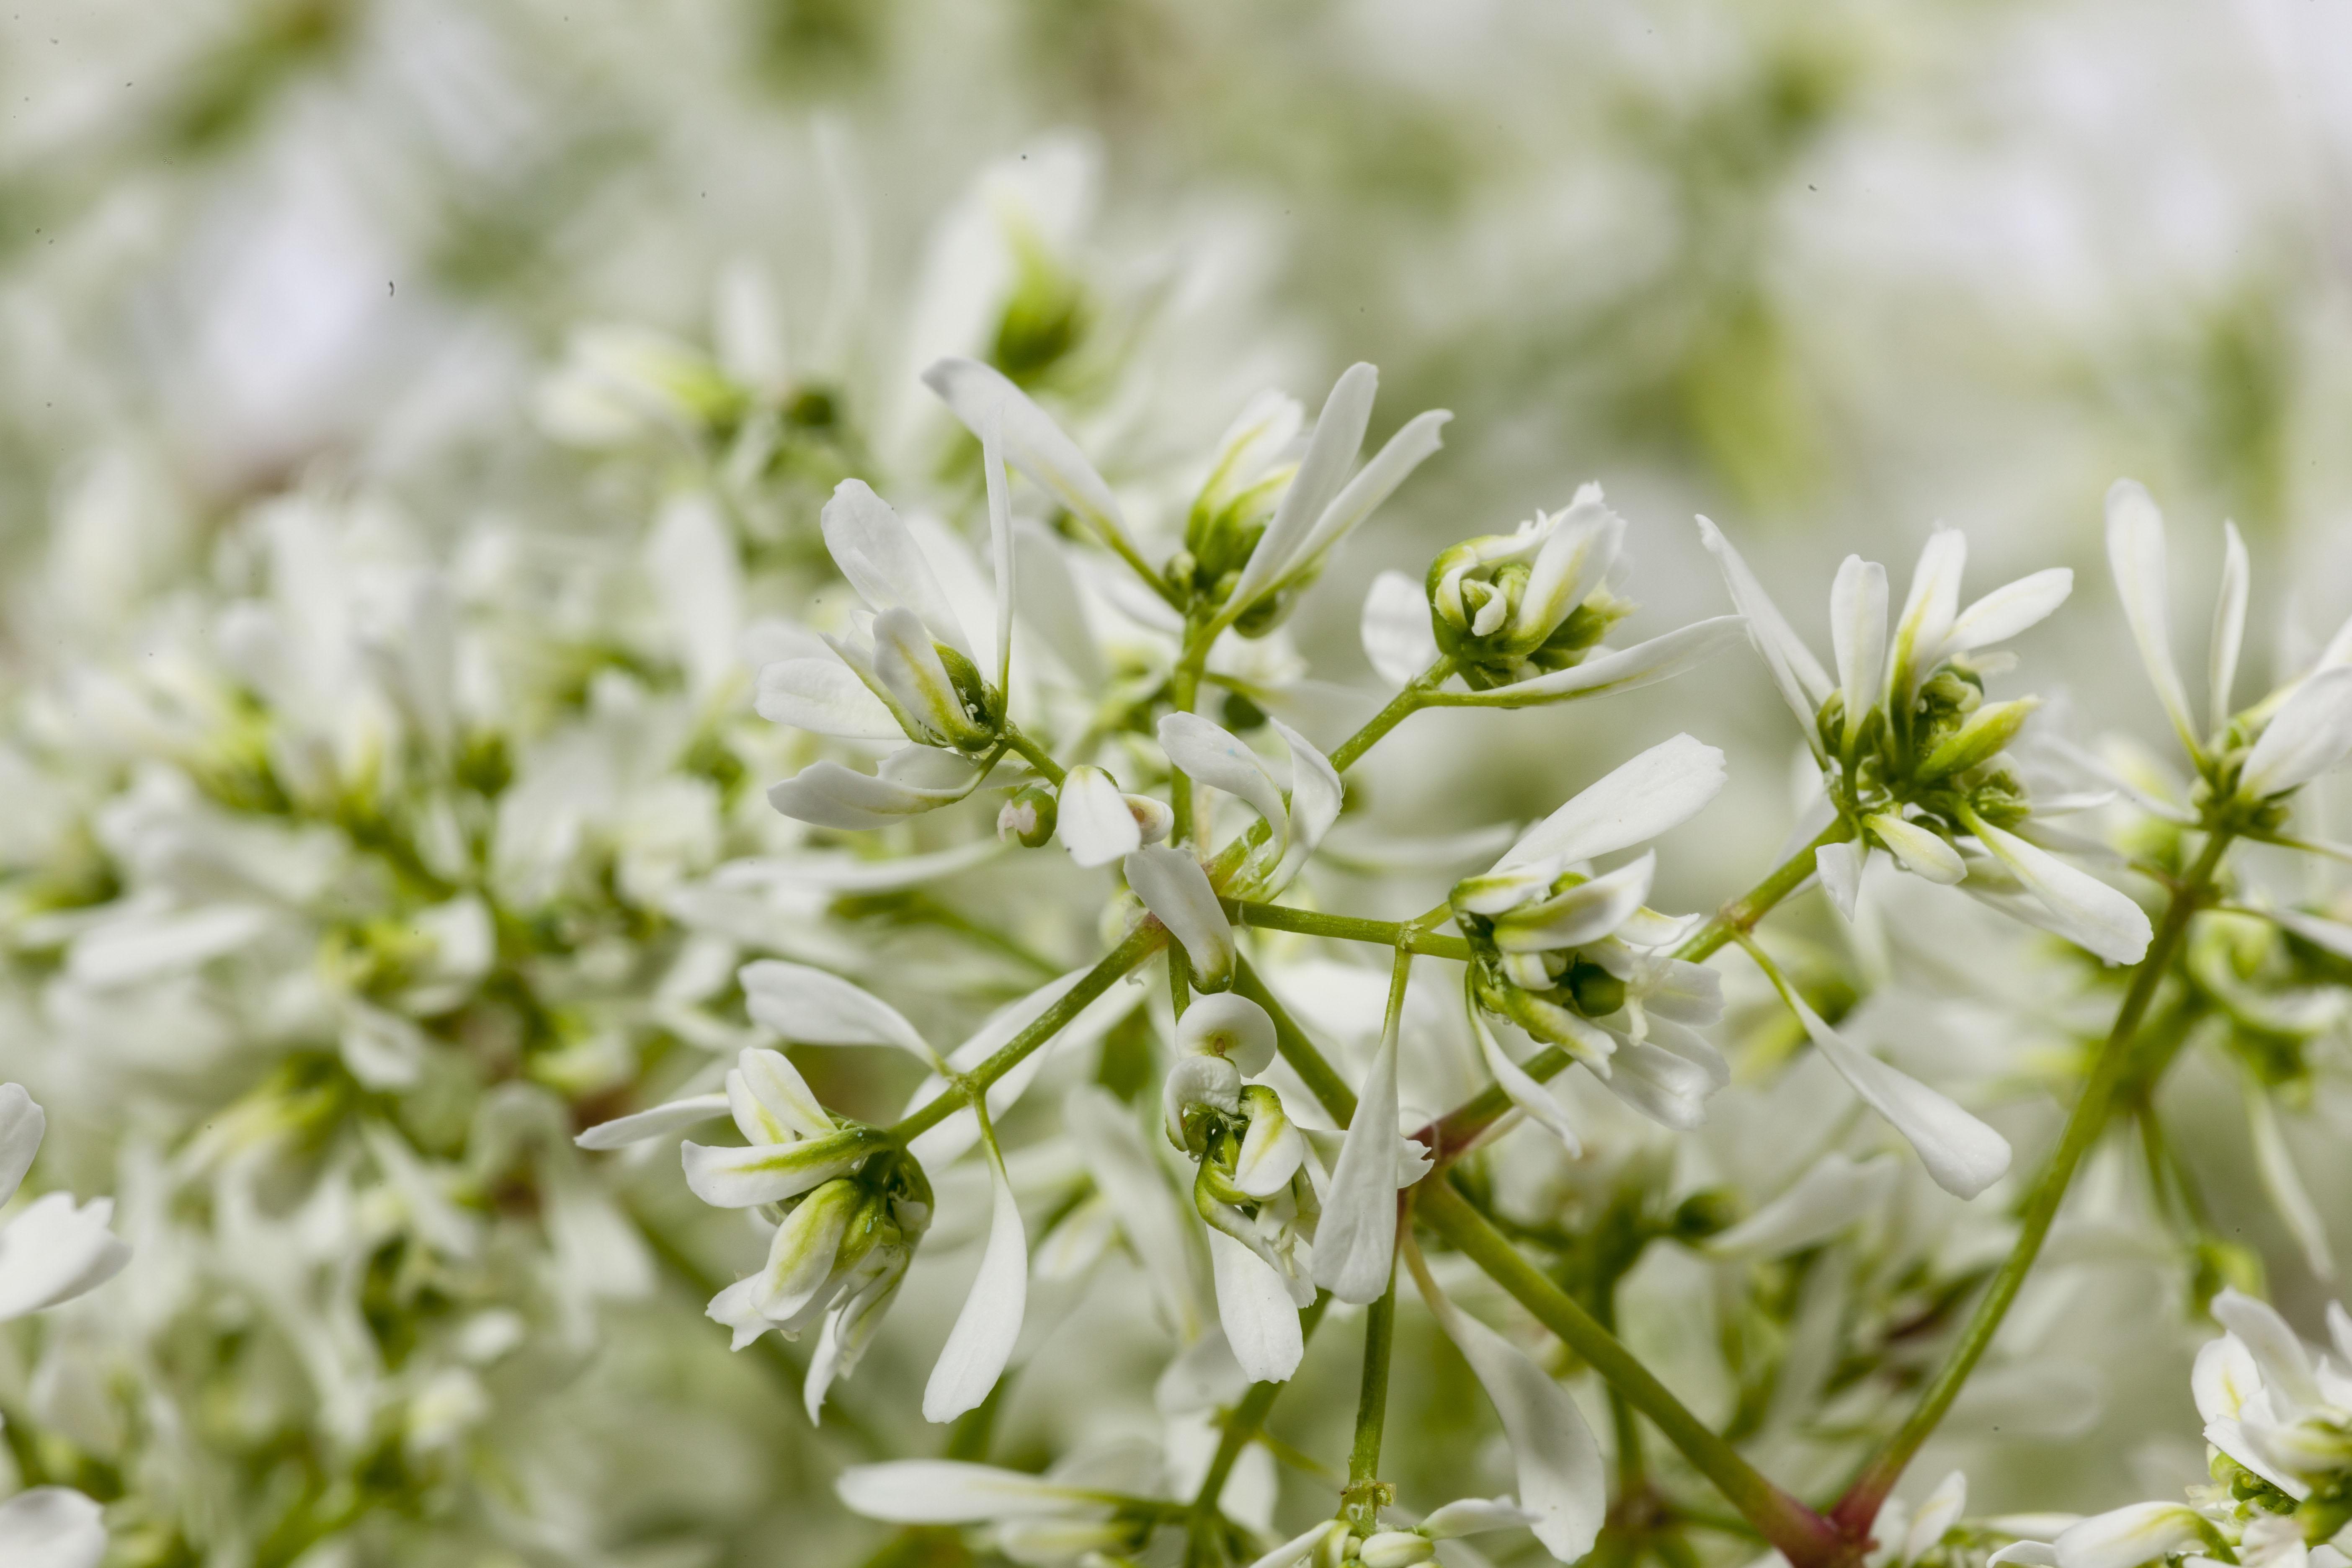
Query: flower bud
{"points": [[1395, 1549], [1980, 738], [1028, 817], [1198, 1083]]}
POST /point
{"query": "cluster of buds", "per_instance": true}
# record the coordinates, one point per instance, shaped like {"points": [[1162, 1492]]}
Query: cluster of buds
{"points": [[1509, 607], [1336, 1544]]}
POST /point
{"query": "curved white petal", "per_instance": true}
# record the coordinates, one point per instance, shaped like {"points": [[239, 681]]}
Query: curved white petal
{"points": [[1331, 451], [1355, 1241], [1659, 789], [1215, 757], [950, 1491], [1254, 1303], [1858, 637], [1228, 1024], [1395, 628], [2135, 555], [1840, 865], [825, 696], [658, 1122], [2008, 610], [1573, 559], [982, 1338], [2287, 1374], [2128, 1536], [1963, 1154], [1176, 890], [2309, 735], [827, 795], [1525, 1092], [1316, 797], [1803, 684], [51, 1527], [879, 555], [1475, 1516], [52, 1252], [770, 1101], [809, 1006], [1092, 819], [987, 402], [2086, 911], [1624, 669], [741, 1178], [1390, 466], [1937, 1515]]}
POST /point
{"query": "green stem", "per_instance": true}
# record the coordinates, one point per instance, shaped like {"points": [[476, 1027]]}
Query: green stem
{"points": [[1860, 1505], [1183, 692], [1036, 755], [1804, 1536], [1141, 943], [1347, 928], [1453, 1134], [1365, 1494], [1416, 695]]}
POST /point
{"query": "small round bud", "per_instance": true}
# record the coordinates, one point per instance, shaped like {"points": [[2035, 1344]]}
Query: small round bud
{"points": [[1596, 992], [1029, 816]]}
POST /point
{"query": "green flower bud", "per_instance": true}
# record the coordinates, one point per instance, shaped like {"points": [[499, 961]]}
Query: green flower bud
{"points": [[1979, 739], [1030, 816]]}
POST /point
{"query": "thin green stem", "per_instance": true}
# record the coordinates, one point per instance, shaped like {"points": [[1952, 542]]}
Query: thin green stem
{"points": [[1860, 1505], [1455, 1132], [1036, 755], [1183, 692], [1805, 1537], [1416, 695], [1365, 1494], [1347, 928], [1141, 944]]}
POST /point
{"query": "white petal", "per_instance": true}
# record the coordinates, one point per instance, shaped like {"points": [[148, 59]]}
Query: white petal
{"points": [[1928, 609], [1155, 1223], [1299, 1549], [52, 1252], [51, 1527], [1001, 553], [1390, 466], [770, 1101], [1316, 797], [1963, 1154], [985, 401], [945, 1142], [2286, 1366], [1525, 1092], [981, 1341], [1584, 913], [2026, 1554], [2226, 1376], [2008, 610], [22, 1123], [2229, 628], [1671, 1087], [2309, 735], [2088, 912], [1092, 820], [825, 696], [1475, 1516], [1937, 1515], [826, 794], [948, 1491], [2128, 1536], [658, 1122], [1575, 556], [1254, 1306], [1825, 1200], [879, 555], [1355, 1241], [1331, 451], [1560, 1479], [1624, 669], [1858, 637], [1217, 758], [1660, 789], [1177, 891], [809, 1006], [1918, 850], [2135, 555], [1271, 1153], [1803, 684], [1395, 628], [1840, 865], [1229, 1025], [740, 1178]]}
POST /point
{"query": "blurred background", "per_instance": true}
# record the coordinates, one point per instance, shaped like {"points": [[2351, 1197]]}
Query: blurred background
{"points": [[1830, 273]]}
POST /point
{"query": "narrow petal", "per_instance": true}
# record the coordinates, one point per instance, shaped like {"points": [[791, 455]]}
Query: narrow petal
{"points": [[1217, 758], [2129, 1536], [1390, 466], [1840, 865], [981, 1341], [1331, 451], [1475, 1516], [2135, 555], [1918, 850], [658, 1122], [1355, 1241], [823, 696], [987, 402], [1928, 611], [1177, 891], [1668, 1087], [2008, 610], [1525, 1092], [1051, 603], [1963, 1154], [1825, 1200], [1803, 684], [2229, 628], [1625, 669], [1858, 637], [1662, 788], [1395, 628], [948, 1491], [1316, 799], [1092, 819], [1272, 1150], [22, 1124], [1584, 913], [741, 1178], [52, 1252], [879, 555], [907, 662], [51, 1527], [2087, 911], [809, 1006], [826, 794], [1937, 1515], [1561, 1476], [2309, 735], [1253, 1304]]}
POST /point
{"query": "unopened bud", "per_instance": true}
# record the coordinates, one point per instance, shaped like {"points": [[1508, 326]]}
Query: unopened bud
{"points": [[1979, 738], [1029, 816], [1395, 1549]]}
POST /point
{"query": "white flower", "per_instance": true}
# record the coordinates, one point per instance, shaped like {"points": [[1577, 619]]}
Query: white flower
{"points": [[52, 1251]]}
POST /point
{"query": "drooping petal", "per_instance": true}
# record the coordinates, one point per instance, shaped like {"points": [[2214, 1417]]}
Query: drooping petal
{"points": [[1662, 788], [1395, 628], [1355, 1241], [809, 1006], [1963, 1154], [1826, 1199], [2128, 1536], [2309, 735], [1561, 1476], [2008, 610], [1330, 452], [950, 1491], [1254, 1303], [1176, 890], [741, 1178], [823, 696], [1858, 637], [1840, 865], [656, 1121], [2135, 555], [51, 1527], [987, 402], [22, 1124], [1219, 759], [1525, 1092], [1092, 819], [982, 1338], [1626, 669], [2229, 628], [1001, 551], [2086, 911], [911, 781], [877, 553], [1929, 610], [52, 1252], [1803, 684]]}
